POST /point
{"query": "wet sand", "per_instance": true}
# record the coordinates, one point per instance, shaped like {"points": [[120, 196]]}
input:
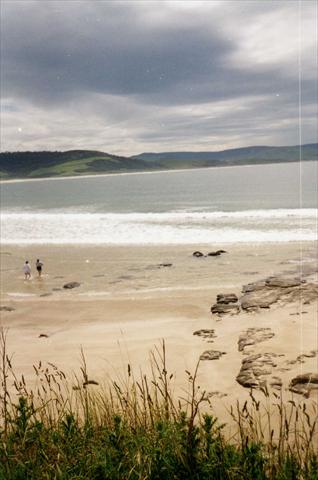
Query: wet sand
{"points": [[127, 302]]}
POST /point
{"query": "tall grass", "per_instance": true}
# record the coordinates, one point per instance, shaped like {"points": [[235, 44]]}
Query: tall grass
{"points": [[69, 428]]}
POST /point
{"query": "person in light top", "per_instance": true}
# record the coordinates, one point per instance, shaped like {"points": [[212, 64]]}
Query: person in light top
{"points": [[27, 270]]}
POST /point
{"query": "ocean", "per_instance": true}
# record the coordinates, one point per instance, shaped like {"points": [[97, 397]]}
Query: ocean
{"points": [[244, 204]]}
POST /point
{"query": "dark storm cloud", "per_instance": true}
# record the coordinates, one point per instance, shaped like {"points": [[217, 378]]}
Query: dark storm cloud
{"points": [[93, 73], [84, 46]]}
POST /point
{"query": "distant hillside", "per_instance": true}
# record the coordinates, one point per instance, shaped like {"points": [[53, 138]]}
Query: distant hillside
{"points": [[237, 156], [63, 164], [86, 162]]}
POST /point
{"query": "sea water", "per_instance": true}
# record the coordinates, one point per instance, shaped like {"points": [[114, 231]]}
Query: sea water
{"points": [[244, 204]]}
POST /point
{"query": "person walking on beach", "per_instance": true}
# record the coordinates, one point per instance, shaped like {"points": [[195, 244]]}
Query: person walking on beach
{"points": [[39, 266], [27, 270]]}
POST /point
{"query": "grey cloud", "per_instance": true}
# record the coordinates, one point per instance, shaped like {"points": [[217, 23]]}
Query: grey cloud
{"points": [[94, 73]]}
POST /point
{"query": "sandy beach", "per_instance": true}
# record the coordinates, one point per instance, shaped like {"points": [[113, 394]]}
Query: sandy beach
{"points": [[131, 298]]}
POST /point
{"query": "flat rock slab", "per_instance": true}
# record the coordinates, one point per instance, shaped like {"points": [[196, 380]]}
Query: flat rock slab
{"points": [[282, 282], [205, 333], [304, 384], [261, 298], [254, 335], [211, 355], [254, 368], [71, 285]]}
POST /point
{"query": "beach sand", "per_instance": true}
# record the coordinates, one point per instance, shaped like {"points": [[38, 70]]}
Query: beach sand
{"points": [[128, 302]]}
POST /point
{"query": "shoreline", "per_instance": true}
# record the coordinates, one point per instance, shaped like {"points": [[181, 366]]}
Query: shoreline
{"points": [[145, 172]]}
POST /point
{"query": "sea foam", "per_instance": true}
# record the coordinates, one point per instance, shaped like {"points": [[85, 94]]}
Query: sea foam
{"points": [[176, 227]]}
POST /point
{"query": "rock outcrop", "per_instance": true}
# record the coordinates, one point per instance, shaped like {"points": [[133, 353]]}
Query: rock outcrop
{"points": [[254, 368]]}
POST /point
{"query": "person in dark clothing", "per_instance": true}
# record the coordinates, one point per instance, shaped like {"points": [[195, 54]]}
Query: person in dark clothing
{"points": [[39, 266]]}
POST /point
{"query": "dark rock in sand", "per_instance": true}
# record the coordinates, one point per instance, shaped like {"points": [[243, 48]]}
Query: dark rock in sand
{"points": [[197, 254], [226, 298], [222, 308], [6, 308], [216, 254], [205, 333], [71, 285], [43, 335], [90, 382], [211, 355], [254, 335], [46, 294], [304, 384], [165, 265], [254, 368]]}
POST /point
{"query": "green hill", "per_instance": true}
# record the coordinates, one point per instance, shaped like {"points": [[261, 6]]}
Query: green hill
{"points": [[88, 162], [237, 156], [63, 164]]}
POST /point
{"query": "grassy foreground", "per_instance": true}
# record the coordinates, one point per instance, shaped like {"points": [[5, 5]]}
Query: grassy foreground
{"points": [[69, 428]]}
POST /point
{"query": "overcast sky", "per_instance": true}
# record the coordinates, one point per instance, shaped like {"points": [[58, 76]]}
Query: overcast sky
{"points": [[130, 76]]}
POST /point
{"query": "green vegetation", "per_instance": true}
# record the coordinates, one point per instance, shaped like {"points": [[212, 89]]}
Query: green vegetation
{"points": [[86, 162], [68, 429]]}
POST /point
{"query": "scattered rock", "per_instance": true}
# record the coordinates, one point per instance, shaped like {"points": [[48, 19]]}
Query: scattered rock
{"points": [[165, 265], [254, 368], [71, 285], [216, 254], [226, 298], [6, 308], [304, 384], [90, 382], [197, 254], [301, 358], [254, 335], [211, 355], [221, 309], [205, 334], [43, 335]]}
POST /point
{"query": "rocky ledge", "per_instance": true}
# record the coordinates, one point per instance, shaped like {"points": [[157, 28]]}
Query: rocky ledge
{"points": [[264, 293]]}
